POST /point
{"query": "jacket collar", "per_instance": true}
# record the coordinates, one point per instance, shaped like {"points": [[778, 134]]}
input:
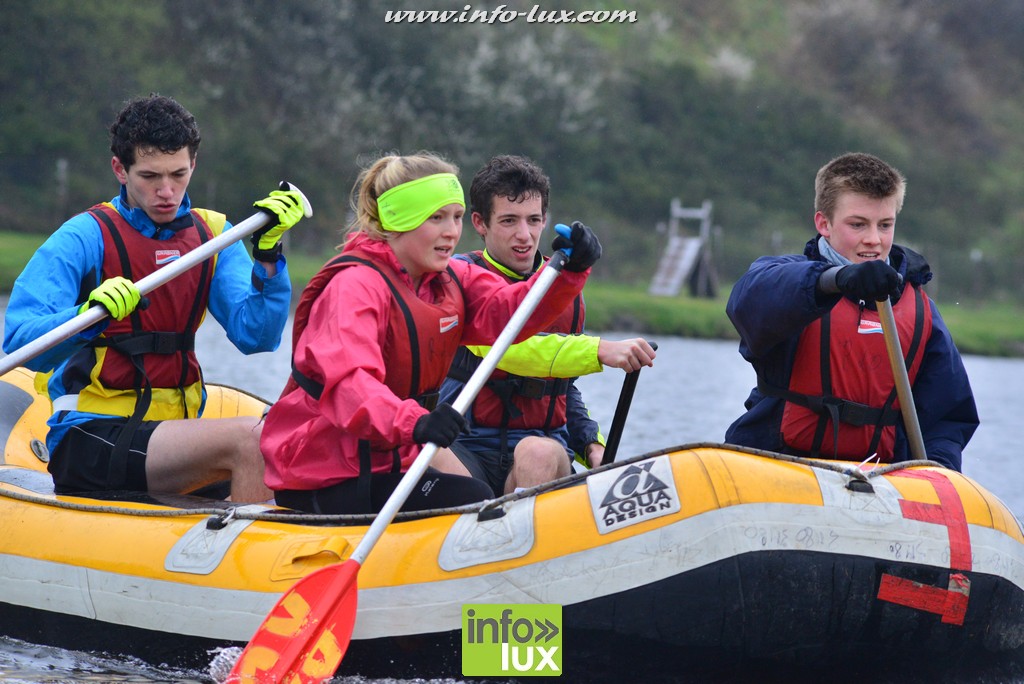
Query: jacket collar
{"points": [[381, 249], [138, 219], [912, 266]]}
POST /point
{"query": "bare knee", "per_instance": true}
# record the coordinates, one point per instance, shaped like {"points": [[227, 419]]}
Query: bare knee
{"points": [[247, 463], [248, 452], [537, 460], [542, 450]]}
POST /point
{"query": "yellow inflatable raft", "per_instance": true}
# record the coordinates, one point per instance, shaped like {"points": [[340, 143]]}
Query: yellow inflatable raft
{"points": [[698, 558]]}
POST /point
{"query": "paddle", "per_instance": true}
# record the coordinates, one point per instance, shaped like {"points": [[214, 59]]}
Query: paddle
{"points": [[621, 410], [899, 372], [95, 314], [305, 636]]}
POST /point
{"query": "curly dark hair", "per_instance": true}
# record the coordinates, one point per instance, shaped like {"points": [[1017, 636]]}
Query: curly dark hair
{"points": [[154, 122], [509, 176]]}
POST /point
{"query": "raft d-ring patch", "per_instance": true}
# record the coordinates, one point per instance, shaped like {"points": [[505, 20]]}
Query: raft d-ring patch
{"points": [[950, 602], [625, 496]]}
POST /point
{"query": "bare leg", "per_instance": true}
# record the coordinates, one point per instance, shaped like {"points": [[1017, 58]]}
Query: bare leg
{"points": [[186, 454], [537, 460], [447, 462]]}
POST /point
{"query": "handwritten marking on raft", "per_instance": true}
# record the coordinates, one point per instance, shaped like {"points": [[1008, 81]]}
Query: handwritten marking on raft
{"points": [[906, 551], [806, 538], [949, 602]]}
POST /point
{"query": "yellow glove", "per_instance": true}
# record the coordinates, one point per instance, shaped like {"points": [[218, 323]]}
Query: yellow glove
{"points": [[284, 205], [117, 295]]}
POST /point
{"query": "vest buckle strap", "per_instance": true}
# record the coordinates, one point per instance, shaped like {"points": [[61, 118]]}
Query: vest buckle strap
{"points": [[136, 344], [858, 414], [531, 388], [428, 400]]}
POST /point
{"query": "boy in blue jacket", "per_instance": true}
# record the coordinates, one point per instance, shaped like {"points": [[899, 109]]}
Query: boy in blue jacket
{"points": [[809, 326], [127, 393]]}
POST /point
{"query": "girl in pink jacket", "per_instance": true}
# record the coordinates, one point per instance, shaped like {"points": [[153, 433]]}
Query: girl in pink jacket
{"points": [[375, 332]]}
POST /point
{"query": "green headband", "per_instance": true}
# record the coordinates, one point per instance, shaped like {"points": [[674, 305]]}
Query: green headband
{"points": [[405, 207]]}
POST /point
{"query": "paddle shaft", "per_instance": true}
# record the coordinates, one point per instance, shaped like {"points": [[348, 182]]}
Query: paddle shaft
{"points": [[161, 276], [319, 611], [899, 372], [611, 447], [461, 403]]}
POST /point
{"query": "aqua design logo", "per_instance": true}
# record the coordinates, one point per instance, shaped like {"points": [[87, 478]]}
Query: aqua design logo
{"points": [[626, 496], [524, 640]]}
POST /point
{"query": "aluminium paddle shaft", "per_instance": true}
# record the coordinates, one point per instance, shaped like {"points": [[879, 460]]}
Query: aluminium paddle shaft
{"points": [[899, 372], [161, 276]]}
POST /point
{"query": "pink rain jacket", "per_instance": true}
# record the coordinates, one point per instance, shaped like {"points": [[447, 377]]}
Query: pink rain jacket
{"points": [[311, 444]]}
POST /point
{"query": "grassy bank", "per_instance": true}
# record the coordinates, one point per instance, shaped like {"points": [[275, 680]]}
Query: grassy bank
{"points": [[984, 328]]}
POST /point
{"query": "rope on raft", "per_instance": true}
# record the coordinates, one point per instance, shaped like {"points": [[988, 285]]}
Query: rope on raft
{"points": [[251, 511]]}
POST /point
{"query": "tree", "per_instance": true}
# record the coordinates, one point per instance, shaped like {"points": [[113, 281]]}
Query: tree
{"points": [[67, 68]]}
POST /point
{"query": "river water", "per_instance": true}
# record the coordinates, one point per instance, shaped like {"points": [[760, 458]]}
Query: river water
{"points": [[695, 389], [693, 392]]}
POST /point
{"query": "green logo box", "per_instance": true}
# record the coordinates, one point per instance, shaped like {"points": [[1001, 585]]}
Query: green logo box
{"points": [[521, 639]]}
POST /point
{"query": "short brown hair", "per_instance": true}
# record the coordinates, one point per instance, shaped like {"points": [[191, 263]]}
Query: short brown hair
{"points": [[864, 174]]}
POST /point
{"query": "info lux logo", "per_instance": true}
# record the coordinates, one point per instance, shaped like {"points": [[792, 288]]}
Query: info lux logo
{"points": [[512, 639]]}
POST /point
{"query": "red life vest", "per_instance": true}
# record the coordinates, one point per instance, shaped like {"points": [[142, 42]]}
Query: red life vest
{"points": [[517, 402], [420, 343], [845, 405], [146, 362]]}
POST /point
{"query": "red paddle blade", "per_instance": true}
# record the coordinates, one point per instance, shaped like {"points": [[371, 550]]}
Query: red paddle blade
{"points": [[305, 636]]}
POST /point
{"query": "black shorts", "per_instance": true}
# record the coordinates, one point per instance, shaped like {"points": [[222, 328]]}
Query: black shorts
{"points": [[487, 465], [434, 490], [81, 461]]}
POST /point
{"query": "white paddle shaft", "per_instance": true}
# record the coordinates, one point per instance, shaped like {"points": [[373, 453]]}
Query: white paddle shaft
{"points": [[95, 314], [461, 403]]}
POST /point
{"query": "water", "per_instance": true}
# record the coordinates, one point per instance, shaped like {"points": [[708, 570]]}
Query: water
{"points": [[24, 663], [695, 389]]}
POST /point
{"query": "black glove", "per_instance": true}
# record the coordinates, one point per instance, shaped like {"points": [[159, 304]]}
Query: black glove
{"points": [[870, 281], [585, 247], [442, 426]]}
